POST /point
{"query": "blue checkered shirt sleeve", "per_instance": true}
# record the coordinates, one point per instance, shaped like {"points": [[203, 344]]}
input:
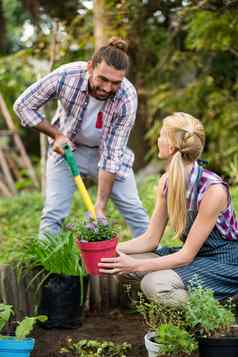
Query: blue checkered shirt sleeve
{"points": [[28, 104]]}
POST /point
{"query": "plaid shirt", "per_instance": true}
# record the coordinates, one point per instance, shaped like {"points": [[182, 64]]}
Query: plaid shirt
{"points": [[69, 84]]}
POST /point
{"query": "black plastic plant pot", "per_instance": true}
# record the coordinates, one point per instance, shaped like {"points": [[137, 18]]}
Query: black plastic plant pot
{"points": [[226, 346], [61, 301]]}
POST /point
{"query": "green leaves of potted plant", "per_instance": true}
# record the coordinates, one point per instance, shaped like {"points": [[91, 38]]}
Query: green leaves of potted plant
{"points": [[96, 239], [65, 285], [17, 345], [212, 323], [95, 348], [57, 254], [174, 341], [175, 330], [168, 335]]}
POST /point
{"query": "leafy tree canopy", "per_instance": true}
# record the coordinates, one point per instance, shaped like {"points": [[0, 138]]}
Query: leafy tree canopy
{"points": [[183, 54]]}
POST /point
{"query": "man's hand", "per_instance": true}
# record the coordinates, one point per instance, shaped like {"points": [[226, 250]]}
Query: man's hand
{"points": [[59, 138], [100, 210], [60, 141], [105, 182]]}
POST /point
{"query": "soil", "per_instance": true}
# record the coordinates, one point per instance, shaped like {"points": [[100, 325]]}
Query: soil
{"points": [[117, 326]]}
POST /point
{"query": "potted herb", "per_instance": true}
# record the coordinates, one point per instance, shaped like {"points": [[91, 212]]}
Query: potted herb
{"points": [[64, 280], [212, 323], [96, 239], [168, 335], [172, 340], [19, 344], [95, 348], [202, 322]]}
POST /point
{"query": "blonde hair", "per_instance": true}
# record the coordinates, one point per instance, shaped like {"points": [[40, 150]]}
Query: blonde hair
{"points": [[186, 135]]}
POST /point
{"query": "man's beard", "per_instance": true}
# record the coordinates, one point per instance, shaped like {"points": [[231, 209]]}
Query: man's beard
{"points": [[99, 94]]}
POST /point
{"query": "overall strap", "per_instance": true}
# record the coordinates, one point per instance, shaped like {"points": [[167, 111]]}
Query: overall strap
{"points": [[192, 211], [196, 189]]}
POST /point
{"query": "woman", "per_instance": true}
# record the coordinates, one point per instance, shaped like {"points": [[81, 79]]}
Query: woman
{"points": [[198, 205]]}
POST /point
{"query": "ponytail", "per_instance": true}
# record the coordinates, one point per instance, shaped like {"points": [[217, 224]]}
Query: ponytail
{"points": [[186, 135], [176, 199]]}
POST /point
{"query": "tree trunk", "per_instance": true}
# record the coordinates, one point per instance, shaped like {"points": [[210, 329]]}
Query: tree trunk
{"points": [[137, 138], [3, 34], [137, 76], [100, 23]]}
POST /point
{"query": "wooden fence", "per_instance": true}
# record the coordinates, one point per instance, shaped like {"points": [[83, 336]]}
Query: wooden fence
{"points": [[104, 293]]}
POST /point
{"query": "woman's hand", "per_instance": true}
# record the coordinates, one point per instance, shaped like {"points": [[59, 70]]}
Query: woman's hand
{"points": [[121, 264]]}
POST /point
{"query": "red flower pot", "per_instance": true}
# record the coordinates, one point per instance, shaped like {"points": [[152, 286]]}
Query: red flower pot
{"points": [[92, 252]]}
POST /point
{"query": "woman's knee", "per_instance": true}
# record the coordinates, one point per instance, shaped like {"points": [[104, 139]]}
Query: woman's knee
{"points": [[165, 286]]}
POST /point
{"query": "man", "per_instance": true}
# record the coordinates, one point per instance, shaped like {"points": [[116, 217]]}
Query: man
{"points": [[96, 112]]}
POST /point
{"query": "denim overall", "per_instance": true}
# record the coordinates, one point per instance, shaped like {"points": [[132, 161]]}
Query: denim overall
{"points": [[216, 264]]}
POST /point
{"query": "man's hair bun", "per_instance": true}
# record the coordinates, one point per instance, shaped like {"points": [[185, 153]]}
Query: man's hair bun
{"points": [[114, 53], [118, 43]]}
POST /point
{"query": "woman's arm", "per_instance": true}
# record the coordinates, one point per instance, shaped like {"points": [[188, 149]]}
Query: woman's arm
{"points": [[213, 202]]}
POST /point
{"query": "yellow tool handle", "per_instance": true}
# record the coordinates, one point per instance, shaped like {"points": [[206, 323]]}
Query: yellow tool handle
{"points": [[85, 196], [69, 157]]}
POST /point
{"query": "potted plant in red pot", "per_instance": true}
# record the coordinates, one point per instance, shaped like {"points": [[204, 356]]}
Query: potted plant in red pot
{"points": [[96, 239]]}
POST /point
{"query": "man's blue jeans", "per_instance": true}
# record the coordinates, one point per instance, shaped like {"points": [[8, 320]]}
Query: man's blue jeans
{"points": [[60, 187]]}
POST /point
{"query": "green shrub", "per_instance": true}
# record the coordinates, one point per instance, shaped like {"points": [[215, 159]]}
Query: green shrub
{"points": [[57, 254], [174, 340], [176, 327], [156, 313], [20, 217], [205, 315]]}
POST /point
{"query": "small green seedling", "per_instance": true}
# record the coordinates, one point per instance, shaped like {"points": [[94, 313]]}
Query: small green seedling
{"points": [[24, 327]]}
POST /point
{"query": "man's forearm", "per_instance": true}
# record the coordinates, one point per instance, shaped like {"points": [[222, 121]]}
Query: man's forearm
{"points": [[59, 138], [105, 183], [46, 128]]}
